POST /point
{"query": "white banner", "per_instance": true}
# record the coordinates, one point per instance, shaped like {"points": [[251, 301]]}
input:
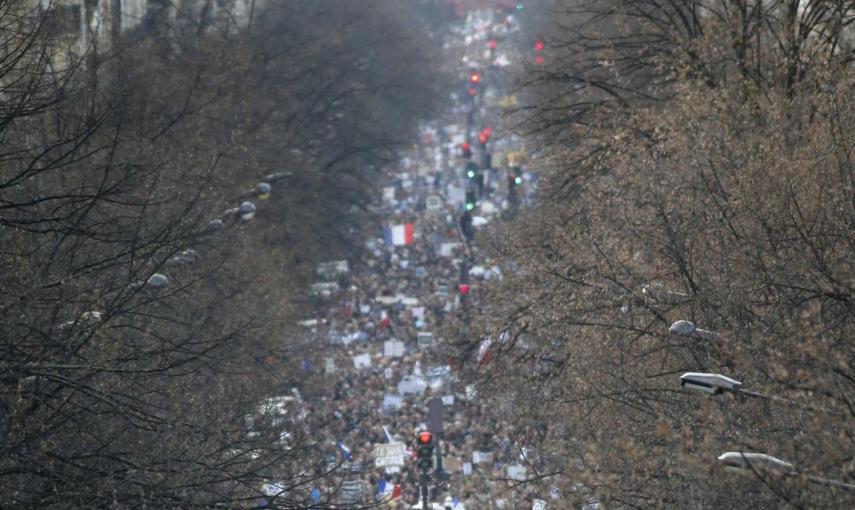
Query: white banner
{"points": [[386, 455]]}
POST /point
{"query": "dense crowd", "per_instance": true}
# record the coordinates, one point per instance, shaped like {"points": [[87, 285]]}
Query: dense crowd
{"points": [[384, 315]]}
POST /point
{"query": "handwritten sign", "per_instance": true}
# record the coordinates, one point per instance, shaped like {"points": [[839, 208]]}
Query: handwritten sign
{"points": [[387, 455]]}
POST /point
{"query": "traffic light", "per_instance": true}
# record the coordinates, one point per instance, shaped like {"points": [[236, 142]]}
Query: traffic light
{"points": [[520, 6], [484, 135], [424, 450], [470, 200], [516, 176], [471, 170], [474, 77], [466, 149], [538, 45]]}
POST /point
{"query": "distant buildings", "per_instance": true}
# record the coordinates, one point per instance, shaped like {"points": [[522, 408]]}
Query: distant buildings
{"points": [[87, 25]]}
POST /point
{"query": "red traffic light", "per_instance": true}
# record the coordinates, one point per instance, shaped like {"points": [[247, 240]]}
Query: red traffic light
{"points": [[465, 146], [492, 44], [425, 437], [473, 91], [487, 131], [464, 288], [474, 77], [538, 45], [538, 59]]}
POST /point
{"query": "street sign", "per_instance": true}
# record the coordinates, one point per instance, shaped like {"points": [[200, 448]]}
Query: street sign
{"points": [[387, 455]]}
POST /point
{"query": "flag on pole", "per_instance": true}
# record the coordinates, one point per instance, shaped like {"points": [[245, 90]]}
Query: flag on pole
{"points": [[399, 235], [345, 451], [386, 490]]}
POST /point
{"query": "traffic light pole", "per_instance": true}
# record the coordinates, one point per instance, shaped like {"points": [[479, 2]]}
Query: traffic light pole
{"points": [[425, 489]]}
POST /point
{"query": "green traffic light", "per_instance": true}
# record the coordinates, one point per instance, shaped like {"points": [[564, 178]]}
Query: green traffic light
{"points": [[518, 180], [520, 6], [470, 174], [470, 206]]}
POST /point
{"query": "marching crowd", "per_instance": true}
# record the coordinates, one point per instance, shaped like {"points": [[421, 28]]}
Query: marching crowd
{"points": [[383, 317], [386, 319]]}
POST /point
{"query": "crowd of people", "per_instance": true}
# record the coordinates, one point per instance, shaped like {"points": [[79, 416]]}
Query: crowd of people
{"points": [[383, 316]]}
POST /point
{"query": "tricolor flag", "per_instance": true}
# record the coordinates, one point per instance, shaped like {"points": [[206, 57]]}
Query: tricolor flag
{"points": [[399, 235], [345, 451], [384, 489]]}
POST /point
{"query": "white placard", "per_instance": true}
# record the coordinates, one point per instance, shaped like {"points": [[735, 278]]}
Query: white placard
{"points": [[393, 348], [538, 504], [386, 455], [411, 384], [433, 203], [392, 402], [424, 339], [482, 457], [329, 366], [448, 400], [365, 309], [387, 373], [467, 468], [410, 301], [389, 194], [447, 249], [418, 312], [455, 195], [516, 472], [362, 361], [324, 288]]}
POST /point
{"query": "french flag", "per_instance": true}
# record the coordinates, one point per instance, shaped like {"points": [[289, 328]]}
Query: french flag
{"points": [[399, 235]]}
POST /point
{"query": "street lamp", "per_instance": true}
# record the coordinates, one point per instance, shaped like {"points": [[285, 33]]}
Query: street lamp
{"points": [[716, 384], [750, 462], [712, 384], [687, 328], [743, 462]]}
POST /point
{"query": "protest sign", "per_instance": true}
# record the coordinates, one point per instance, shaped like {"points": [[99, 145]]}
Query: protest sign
{"points": [[455, 195], [362, 361], [329, 366], [386, 455], [333, 268], [433, 203], [538, 504], [389, 195], [411, 384], [451, 464], [467, 468], [324, 288], [516, 472], [424, 339], [387, 373], [410, 301], [351, 492], [393, 348], [392, 402], [447, 249], [448, 400], [418, 312], [482, 457]]}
